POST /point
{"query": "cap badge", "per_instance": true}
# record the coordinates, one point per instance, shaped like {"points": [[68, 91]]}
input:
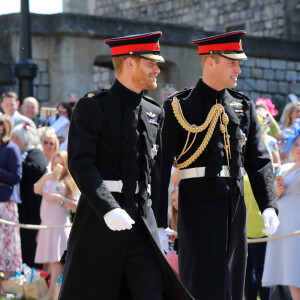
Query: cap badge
{"points": [[240, 43], [151, 114], [90, 95]]}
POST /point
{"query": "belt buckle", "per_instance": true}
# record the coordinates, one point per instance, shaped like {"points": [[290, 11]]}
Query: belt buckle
{"points": [[197, 172], [137, 188], [242, 170], [149, 190], [224, 172], [120, 186]]}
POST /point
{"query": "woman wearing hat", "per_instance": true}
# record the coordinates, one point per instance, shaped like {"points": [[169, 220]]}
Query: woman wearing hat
{"points": [[282, 264]]}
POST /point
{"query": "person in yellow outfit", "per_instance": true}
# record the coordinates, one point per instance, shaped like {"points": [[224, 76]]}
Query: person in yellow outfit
{"points": [[256, 251], [255, 222]]}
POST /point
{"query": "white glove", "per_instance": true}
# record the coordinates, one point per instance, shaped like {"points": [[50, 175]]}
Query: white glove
{"points": [[271, 221], [118, 219], [164, 240]]}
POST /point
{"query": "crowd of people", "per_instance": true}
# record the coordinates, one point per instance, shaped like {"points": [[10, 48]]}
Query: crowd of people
{"points": [[124, 141], [33, 190]]}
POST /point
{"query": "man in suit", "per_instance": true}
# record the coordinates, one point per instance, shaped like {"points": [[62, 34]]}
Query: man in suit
{"points": [[30, 109], [10, 105], [213, 132], [114, 157]]}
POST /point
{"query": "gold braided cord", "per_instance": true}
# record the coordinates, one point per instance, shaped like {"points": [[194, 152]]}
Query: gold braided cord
{"points": [[183, 150], [186, 150], [211, 120], [190, 144], [217, 108]]}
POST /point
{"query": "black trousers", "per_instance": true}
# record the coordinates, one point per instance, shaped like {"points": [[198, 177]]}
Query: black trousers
{"points": [[142, 273], [28, 247], [254, 272]]}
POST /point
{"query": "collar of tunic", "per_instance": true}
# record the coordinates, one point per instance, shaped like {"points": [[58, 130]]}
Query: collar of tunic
{"points": [[126, 94], [207, 92]]}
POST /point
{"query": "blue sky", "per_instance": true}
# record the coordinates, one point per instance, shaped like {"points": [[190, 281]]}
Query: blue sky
{"points": [[35, 6]]}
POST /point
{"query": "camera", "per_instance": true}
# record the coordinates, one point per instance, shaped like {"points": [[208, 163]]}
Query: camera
{"points": [[48, 111]]}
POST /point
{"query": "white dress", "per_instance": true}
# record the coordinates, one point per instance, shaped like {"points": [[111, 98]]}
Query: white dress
{"points": [[282, 261], [52, 242]]}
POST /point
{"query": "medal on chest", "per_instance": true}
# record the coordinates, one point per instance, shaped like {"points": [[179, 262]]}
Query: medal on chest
{"points": [[243, 140], [154, 151]]}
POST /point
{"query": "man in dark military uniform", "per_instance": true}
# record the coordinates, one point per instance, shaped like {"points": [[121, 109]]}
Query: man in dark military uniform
{"points": [[212, 132], [114, 150]]}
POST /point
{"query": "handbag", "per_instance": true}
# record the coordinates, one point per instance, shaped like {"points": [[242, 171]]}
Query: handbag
{"points": [[13, 286], [56, 291], [35, 290]]}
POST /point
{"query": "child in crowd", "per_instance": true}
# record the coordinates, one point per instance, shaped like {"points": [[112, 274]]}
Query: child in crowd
{"points": [[174, 214], [174, 210], [60, 194]]}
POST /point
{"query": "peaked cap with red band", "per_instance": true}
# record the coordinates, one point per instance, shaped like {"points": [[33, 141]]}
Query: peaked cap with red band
{"points": [[144, 45], [227, 44]]}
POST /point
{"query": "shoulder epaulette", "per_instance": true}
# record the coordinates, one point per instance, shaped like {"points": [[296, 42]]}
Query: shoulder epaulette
{"points": [[94, 93], [151, 100], [180, 94], [238, 94]]}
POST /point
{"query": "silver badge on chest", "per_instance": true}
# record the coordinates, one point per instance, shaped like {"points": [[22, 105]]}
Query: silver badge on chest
{"points": [[151, 114], [154, 151], [243, 140]]}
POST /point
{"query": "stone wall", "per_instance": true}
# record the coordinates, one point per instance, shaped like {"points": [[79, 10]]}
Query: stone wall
{"points": [[72, 57], [102, 78], [270, 78], [41, 81], [264, 18], [260, 77]]}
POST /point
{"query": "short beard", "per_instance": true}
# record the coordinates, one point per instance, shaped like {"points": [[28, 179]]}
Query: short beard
{"points": [[143, 81]]}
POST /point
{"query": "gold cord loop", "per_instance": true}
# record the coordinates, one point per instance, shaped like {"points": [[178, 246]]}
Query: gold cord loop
{"points": [[211, 120]]}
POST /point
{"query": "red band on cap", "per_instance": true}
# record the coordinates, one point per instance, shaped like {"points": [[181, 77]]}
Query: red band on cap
{"points": [[134, 47], [220, 47]]}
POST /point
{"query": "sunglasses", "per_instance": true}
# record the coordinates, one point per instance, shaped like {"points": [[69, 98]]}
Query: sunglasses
{"points": [[50, 143], [62, 110]]}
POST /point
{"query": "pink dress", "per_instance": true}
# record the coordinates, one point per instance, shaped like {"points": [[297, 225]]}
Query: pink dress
{"points": [[52, 242], [10, 247]]}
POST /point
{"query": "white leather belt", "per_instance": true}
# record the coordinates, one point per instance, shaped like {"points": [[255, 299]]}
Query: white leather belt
{"points": [[200, 172], [117, 185]]}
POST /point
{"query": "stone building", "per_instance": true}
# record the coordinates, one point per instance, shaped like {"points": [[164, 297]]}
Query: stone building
{"points": [[72, 57], [263, 74], [264, 18]]}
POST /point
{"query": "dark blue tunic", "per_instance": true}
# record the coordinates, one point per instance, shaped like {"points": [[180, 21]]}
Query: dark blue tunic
{"points": [[212, 217]]}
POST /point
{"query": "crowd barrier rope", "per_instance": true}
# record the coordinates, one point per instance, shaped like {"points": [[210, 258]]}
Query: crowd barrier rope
{"points": [[168, 230], [273, 238], [32, 226], [250, 241]]}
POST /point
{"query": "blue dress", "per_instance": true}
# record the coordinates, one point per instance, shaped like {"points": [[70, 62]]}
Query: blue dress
{"points": [[282, 263]]}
